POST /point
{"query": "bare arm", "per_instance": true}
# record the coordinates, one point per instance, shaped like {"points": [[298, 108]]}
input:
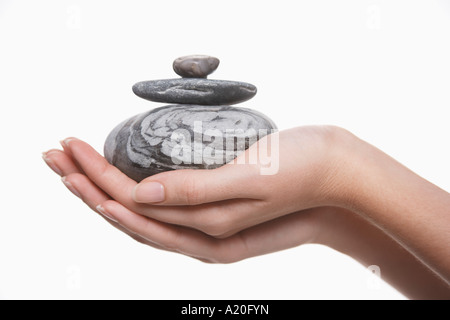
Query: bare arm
{"points": [[410, 209], [232, 213], [352, 235]]}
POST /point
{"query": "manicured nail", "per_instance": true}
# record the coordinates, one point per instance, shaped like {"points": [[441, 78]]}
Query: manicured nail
{"points": [[149, 192], [51, 164], [65, 142], [70, 187], [104, 213]]}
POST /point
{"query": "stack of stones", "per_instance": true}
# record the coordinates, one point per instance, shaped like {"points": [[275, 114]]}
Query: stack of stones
{"points": [[198, 130]]}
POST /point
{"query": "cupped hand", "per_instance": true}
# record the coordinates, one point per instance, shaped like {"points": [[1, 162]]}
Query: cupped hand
{"points": [[220, 215], [236, 211]]}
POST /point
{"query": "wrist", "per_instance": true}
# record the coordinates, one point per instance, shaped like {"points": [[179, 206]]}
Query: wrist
{"points": [[338, 176], [362, 179], [354, 172]]}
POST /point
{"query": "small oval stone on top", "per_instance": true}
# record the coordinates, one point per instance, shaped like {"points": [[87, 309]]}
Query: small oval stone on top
{"points": [[195, 66]]}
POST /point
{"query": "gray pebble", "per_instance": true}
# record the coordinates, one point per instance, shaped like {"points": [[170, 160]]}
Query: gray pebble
{"points": [[195, 91], [177, 137], [195, 66]]}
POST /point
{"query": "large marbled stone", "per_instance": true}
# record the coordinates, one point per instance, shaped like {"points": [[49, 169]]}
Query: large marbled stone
{"points": [[195, 91], [195, 66], [183, 137]]}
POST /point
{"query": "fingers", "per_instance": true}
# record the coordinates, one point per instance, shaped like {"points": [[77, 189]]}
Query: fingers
{"points": [[203, 190], [59, 162], [87, 191], [224, 216], [286, 232], [187, 241], [107, 177], [193, 187], [62, 164], [217, 219], [181, 187], [68, 152], [80, 185], [75, 181]]}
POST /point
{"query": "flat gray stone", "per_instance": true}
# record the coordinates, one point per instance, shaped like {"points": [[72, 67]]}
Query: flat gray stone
{"points": [[195, 66], [195, 91], [177, 137]]}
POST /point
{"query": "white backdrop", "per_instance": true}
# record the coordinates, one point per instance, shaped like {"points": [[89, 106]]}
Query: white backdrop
{"points": [[378, 68]]}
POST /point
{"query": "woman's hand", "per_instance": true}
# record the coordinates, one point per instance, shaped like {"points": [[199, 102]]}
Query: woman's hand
{"points": [[251, 213], [234, 212], [285, 232], [224, 201], [317, 166]]}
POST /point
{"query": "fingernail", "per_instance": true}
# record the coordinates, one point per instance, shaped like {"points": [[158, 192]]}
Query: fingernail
{"points": [[51, 164], [65, 142], [149, 192], [104, 213], [70, 187]]}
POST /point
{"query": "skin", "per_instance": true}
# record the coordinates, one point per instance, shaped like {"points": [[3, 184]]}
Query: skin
{"points": [[331, 188]]}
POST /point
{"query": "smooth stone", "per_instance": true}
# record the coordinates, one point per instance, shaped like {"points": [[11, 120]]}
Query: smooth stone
{"points": [[195, 66], [195, 91], [177, 137]]}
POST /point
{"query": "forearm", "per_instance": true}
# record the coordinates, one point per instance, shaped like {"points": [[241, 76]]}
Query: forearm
{"points": [[410, 209], [349, 233]]}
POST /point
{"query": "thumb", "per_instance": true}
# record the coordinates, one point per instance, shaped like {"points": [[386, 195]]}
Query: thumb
{"points": [[193, 187]]}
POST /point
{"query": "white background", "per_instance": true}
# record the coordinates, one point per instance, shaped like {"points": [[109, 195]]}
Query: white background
{"points": [[378, 68]]}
